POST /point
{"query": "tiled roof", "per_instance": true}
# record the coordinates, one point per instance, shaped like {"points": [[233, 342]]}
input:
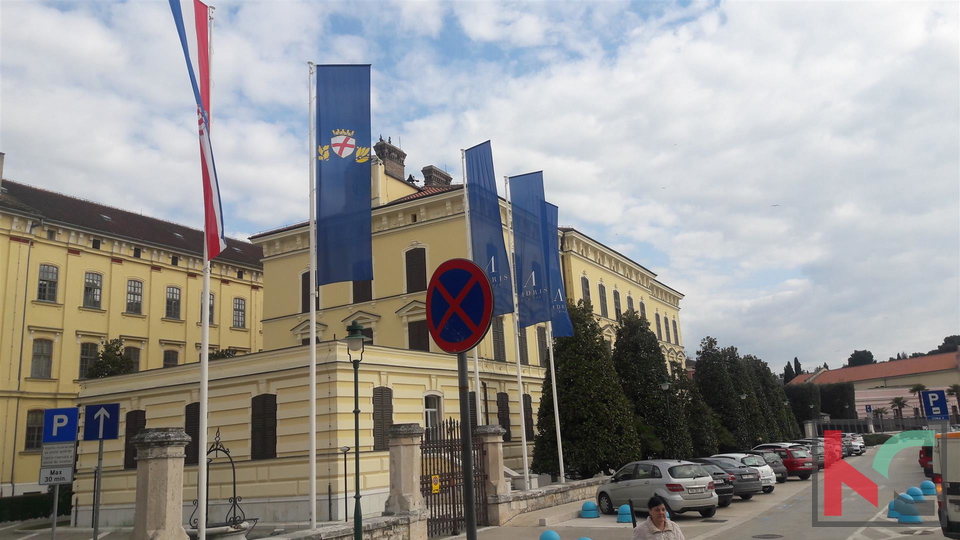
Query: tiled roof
{"points": [[885, 370], [70, 211], [801, 378]]}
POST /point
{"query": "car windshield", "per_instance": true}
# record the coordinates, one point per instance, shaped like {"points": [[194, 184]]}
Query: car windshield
{"points": [[753, 461], [770, 457], [687, 471], [799, 453], [711, 468], [728, 463]]}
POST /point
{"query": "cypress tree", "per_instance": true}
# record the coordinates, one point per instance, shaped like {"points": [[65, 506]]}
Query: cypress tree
{"points": [[701, 421], [719, 392], [788, 374], [599, 431]]}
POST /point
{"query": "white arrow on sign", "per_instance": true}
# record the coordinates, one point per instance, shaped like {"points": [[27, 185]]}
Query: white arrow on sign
{"points": [[101, 415]]}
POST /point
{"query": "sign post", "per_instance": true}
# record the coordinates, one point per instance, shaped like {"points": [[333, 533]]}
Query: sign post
{"points": [[59, 453], [459, 311], [935, 404], [100, 422]]}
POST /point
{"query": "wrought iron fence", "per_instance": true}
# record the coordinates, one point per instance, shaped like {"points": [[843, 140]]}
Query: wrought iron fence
{"points": [[441, 482]]}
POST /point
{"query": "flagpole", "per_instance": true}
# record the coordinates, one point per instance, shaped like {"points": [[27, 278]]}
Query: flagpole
{"points": [[516, 337], [313, 304], [466, 213], [556, 406]]}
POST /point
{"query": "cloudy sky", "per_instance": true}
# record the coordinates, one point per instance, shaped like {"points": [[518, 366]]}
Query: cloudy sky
{"points": [[792, 167]]}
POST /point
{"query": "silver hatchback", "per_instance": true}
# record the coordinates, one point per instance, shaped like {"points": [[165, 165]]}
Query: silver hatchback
{"points": [[683, 485]]}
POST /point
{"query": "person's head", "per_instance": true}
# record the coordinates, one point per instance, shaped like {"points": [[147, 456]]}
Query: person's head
{"points": [[657, 509]]}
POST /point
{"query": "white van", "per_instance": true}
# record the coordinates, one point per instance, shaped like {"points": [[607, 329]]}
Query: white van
{"points": [[948, 482]]}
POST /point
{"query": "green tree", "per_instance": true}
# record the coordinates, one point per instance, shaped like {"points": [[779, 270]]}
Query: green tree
{"points": [[700, 419], [220, 354], [111, 361], [898, 403], [860, 358], [838, 400], [915, 390], [642, 369], [719, 391], [780, 422], [599, 429], [880, 412], [804, 401], [954, 390], [788, 373], [755, 409], [796, 366]]}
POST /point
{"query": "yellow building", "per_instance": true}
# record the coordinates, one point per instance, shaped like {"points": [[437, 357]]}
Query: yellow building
{"points": [[74, 273], [259, 402]]}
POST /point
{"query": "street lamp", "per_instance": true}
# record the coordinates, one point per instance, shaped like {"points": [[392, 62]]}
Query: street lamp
{"points": [[346, 487], [743, 396], [355, 339]]}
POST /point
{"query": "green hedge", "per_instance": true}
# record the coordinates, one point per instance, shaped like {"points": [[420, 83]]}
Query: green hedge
{"points": [[875, 439], [35, 505], [838, 400], [801, 396]]}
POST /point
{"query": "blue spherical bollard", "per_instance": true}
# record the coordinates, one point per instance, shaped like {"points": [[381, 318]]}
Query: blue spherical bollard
{"points": [[909, 513], [584, 538], [928, 487], [892, 511], [589, 510], [624, 515], [916, 493], [549, 535]]}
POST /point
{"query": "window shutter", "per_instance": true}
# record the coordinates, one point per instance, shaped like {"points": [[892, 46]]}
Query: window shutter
{"points": [[382, 417], [528, 415], [616, 304], [585, 286], [416, 261], [503, 414], [473, 410], [191, 424], [542, 346], [524, 357], [659, 328], [135, 421], [362, 291], [263, 426], [499, 345], [419, 335], [629, 303], [676, 338]]}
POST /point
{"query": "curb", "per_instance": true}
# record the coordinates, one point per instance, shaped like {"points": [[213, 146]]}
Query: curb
{"points": [[559, 518]]}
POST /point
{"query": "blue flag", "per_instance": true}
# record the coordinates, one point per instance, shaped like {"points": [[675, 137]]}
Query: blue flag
{"points": [[486, 229], [344, 249], [526, 200], [562, 327]]}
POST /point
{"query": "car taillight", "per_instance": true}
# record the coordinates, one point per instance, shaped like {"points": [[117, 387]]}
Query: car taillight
{"points": [[674, 488], [937, 478], [732, 478], [710, 486]]}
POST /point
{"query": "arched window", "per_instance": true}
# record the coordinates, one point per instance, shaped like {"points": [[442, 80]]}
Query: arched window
{"points": [[239, 313], [585, 288], [41, 367], [263, 427], [47, 285], [676, 336], [602, 297], [616, 305], [88, 355], [659, 329], [92, 287], [416, 265], [643, 310], [34, 439], [382, 417], [431, 415], [629, 303], [135, 422], [173, 303]]}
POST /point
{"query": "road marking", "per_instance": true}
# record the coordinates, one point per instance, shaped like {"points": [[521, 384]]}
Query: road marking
{"points": [[17, 524], [29, 536]]}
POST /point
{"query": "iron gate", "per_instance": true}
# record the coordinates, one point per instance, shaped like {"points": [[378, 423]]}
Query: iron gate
{"points": [[442, 480]]}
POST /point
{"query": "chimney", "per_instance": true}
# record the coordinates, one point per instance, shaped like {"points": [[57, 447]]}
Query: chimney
{"points": [[392, 158], [433, 176]]}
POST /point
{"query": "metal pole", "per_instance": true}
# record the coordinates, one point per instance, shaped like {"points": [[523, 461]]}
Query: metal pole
{"points": [[466, 217], [357, 512], [96, 494], [313, 302], [466, 439], [346, 488], [556, 405], [56, 500]]}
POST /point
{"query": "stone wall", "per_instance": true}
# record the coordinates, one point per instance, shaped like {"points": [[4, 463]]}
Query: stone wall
{"points": [[503, 508], [404, 527]]}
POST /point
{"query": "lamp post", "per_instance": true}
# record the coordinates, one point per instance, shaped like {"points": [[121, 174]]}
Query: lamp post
{"points": [[355, 339], [346, 487]]}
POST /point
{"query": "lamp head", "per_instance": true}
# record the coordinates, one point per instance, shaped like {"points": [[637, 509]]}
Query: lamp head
{"points": [[344, 449], [743, 396], [355, 336], [664, 386]]}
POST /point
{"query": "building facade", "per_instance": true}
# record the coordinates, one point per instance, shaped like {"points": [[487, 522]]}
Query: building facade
{"points": [[74, 274]]}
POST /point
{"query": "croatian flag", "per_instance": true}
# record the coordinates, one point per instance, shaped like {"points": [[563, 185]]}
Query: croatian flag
{"points": [[214, 238]]}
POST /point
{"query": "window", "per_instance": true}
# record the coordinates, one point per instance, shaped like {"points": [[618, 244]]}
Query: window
{"points": [[630, 303], [542, 346], [239, 313], [431, 415], [305, 293], [88, 355], [524, 357], [418, 335], [136, 421], [51, 234], [174, 260], [34, 430], [499, 345], [666, 335], [382, 417], [191, 424], [47, 288], [42, 365], [92, 287], [616, 305], [643, 310], [96, 243], [362, 291], [239, 274], [676, 336], [602, 297], [171, 358], [416, 261], [211, 311], [173, 302], [134, 296], [133, 353], [263, 427], [136, 253], [585, 286], [528, 416], [659, 331], [367, 334], [503, 414]]}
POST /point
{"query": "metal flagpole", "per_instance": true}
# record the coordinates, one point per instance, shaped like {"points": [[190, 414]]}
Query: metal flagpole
{"points": [[313, 305], [556, 406], [516, 336], [466, 214]]}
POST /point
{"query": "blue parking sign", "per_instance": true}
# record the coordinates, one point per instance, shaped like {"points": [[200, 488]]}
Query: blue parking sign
{"points": [[869, 409], [60, 425], [935, 404], [101, 422]]}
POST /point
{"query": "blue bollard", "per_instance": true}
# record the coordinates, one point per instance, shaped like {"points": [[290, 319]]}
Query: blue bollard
{"points": [[892, 511], [584, 538], [908, 512], [624, 515], [916, 493], [549, 535], [928, 487], [589, 510]]}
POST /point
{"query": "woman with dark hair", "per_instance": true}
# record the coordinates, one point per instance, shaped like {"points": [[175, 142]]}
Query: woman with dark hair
{"points": [[657, 526]]}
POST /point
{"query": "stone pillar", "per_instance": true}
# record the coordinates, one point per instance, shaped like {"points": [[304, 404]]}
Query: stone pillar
{"points": [[159, 509], [492, 439], [405, 470], [810, 429]]}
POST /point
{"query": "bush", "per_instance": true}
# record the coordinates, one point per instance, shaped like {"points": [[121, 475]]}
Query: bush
{"points": [[876, 439], [35, 505]]}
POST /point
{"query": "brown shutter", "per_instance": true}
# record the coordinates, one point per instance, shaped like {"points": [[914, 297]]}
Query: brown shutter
{"points": [[382, 417], [503, 414], [416, 260], [135, 421], [305, 292], [473, 410], [263, 427], [499, 345], [528, 415], [524, 357], [585, 285], [542, 346], [191, 424], [362, 291], [419, 335], [616, 304]]}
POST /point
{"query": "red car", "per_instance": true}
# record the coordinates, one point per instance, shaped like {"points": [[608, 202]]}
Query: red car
{"points": [[795, 458], [926, 460]]}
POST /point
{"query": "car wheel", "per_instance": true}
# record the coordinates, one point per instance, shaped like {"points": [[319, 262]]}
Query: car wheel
{"points": [[768, 489], [804, 476], [709, 513], [725, 502], [605, 504], [781, 479], [747, 496]]}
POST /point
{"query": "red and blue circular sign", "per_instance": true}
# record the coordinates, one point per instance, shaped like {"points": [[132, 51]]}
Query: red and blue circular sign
{"points": [[459, 305]]}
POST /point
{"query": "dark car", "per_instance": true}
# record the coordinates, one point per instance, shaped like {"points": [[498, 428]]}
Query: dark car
{"points": [[723, 482], [775, 463], [797, 459], [746, 480]]}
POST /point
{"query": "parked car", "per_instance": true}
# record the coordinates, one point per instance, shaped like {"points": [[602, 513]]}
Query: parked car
{"points": [[682, 485], [746, 480], [775, 463], [723, 484], [856, 445], [819, 443], [796, 458], [926, 460], [767, 477]]}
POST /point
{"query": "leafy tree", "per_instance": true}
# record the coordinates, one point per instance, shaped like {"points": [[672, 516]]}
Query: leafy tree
{"points": [[804, 401], [860, 358], [718, 389], [838, 400], [898, 403], [954, 390], [915, 390], [780, 422], [917, 354], [642, 369], [755, 409], [825, 366], [796, 366], [220, 354], [111, 361], [788, 373], [701, 421], [599, 430], [950, 344], [880, 412]]}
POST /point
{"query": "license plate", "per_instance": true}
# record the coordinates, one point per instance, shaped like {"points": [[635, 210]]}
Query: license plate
{"points": [[695, 490], [749, 477]]}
